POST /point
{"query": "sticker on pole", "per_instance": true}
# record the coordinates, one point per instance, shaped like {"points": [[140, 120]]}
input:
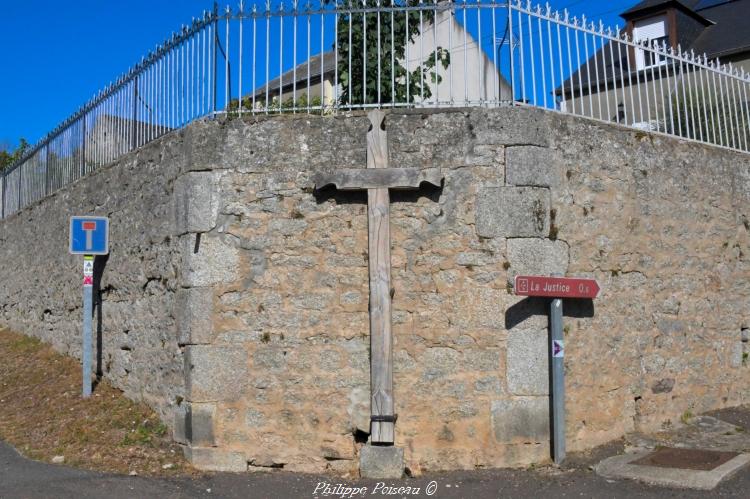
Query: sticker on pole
{"points": [[89, 235], [558, 349]]}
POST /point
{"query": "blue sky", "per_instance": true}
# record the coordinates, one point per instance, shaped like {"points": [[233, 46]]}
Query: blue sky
{"points": [[56, 55]]}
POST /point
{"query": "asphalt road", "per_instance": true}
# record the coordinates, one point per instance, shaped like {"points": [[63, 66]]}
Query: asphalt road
{"points": [[21, 478]]}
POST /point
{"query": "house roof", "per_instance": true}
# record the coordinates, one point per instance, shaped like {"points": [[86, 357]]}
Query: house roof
{"points": [[725, 33], [647, 5], [730, 33], [324, 62]]}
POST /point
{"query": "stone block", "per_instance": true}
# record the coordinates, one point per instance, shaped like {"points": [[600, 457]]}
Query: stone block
{"points": [[537, 257], [196, 196], [179, 432], [359, 409], [527, 365], [513, 212], [200, 425], [207, 260], [213, 459], [203, 142], [194, 315], [381, 462], [521, 419], [512, 126], [532, 166], [215, 373], [254, 418]]}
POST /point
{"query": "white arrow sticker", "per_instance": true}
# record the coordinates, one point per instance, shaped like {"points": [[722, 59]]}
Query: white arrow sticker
{"points": [[558, 349]]}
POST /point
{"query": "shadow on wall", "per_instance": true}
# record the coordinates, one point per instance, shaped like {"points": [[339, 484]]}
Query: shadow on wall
{"points": [[531, 306], [100, 263], [329, 192]]}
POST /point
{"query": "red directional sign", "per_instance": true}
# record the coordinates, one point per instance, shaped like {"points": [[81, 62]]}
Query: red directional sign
{"points": [[555, 287]]}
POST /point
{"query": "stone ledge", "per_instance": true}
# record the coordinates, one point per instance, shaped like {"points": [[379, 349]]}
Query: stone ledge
{"points": [[621, 466], [212, 459]]}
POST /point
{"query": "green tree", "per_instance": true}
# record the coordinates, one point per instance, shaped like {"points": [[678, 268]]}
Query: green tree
{"points": [[7, 158], [711, 118], [384, 49]]}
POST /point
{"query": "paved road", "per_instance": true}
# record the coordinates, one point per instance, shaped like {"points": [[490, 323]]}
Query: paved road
{"points": [[21, 478]]}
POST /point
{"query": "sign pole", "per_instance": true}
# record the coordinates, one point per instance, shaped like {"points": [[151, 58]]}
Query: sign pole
{"points": [[556, 288], [88, 284], [558, 379], [89, 236]]}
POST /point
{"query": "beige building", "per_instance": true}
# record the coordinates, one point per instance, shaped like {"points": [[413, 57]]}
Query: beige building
{"points": [[471, 75]]}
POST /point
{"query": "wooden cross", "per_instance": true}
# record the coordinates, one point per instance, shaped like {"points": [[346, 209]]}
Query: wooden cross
{"points": [[378, 178]]}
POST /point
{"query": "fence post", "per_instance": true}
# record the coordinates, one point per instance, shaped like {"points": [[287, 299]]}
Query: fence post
{"points": [[512, 62], [20, 192], [133, 139], [2, 204], [216, 42], [46, 169], [83, 146]]}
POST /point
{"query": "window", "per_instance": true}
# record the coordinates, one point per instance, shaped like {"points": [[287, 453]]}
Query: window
{"points": [[651, 30]]}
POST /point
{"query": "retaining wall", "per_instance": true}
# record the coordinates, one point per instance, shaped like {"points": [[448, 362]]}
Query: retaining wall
{"points": [[224, 257]]}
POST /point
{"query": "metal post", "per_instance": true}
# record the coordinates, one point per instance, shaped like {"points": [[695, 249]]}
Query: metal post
{"points": [[88, 270], [2, 204], [216, 42], [20, 179], [83, 146], [133, 135], [557, 374], [46, 170]]}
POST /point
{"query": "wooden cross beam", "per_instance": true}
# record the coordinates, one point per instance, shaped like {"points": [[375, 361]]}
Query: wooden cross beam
{"points": [[378, 178]]}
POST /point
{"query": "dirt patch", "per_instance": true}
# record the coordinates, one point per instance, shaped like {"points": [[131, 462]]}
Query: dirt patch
{"points": [[738, 416], [43, 415]]}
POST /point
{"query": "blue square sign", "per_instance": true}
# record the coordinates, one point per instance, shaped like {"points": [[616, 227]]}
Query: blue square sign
{"points": [[89, 235]]}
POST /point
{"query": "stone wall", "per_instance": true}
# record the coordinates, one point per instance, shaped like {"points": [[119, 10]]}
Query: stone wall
{"points": [[41, 290], [262, 284], [280, 375]]}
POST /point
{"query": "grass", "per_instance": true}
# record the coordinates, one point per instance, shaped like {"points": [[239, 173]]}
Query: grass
{"points": [[43, 415], [686, 417]]}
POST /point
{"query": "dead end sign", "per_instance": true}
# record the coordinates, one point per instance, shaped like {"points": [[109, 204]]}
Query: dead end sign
{"points": [[555, 287]]}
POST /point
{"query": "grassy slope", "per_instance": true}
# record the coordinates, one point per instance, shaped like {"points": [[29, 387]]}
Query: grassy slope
{"points": [[43, 415]]}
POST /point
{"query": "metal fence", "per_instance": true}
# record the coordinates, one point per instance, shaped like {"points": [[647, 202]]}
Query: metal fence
{"points": [[583, 68], [290, 57]]}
